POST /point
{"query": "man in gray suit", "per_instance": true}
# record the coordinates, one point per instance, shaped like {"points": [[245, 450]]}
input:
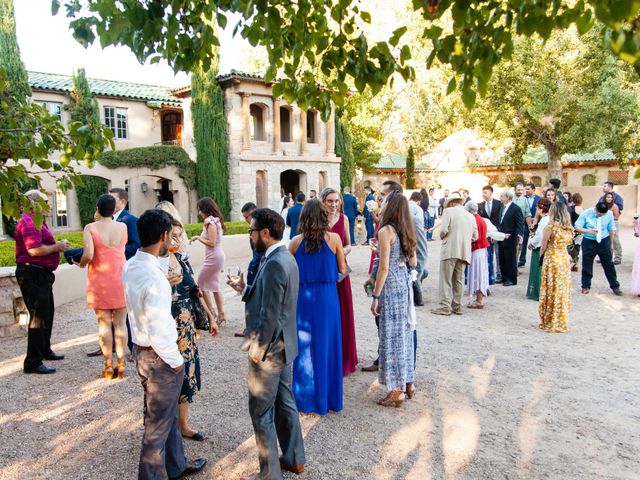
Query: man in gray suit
{"points": [[457, 230], [272, 345]]}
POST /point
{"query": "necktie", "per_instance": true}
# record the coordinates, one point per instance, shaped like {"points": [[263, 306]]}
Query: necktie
{"points": [[599, 228], [488, 208]]}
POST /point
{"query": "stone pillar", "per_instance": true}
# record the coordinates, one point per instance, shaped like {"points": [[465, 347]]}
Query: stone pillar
{"points": [[246, 126], [276, 125], [303, 132], [73, 210], [330, 147]]}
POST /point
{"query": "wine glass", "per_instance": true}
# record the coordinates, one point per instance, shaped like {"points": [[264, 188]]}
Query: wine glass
{"points": [[234, 275]]}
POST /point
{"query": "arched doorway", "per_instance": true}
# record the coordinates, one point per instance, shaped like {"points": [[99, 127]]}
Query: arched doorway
{"points": [[290, 182], [165, 193]]}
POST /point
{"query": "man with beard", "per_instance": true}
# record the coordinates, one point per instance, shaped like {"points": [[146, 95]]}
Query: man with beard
{"points": [[272, 346], [158, 360]]}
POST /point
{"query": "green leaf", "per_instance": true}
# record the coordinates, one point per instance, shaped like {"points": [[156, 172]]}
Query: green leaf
{"points": [[451, 86], [468, 98], [55, 7], [396, 35], [365, 16], [405, 53]]}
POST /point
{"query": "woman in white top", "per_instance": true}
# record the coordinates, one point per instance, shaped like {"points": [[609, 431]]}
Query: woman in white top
{"points": [[533, 289], [287, 203]]}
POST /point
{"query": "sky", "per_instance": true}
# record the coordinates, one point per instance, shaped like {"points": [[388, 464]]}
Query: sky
{"points": [[46, 45]]}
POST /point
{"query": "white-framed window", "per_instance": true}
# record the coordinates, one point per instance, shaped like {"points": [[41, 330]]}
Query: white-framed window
{"points": [[116, 119], [60, 218], [54, 108]]}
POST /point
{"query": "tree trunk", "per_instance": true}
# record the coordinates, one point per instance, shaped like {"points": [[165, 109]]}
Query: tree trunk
{"points": [[554, 166]]}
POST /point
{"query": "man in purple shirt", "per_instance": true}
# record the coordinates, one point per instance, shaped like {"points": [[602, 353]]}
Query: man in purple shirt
{"points": [[37, 256]]}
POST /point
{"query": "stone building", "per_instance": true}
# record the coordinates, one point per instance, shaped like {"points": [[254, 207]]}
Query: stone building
{"points": [[274, 148]]}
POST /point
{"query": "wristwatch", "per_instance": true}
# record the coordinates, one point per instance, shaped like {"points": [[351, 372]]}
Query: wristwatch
{"points": [[375, 297]]}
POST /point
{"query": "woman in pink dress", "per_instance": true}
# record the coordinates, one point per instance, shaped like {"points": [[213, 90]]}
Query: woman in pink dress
{"points": [[211, 238], [635, 271], [339, 224], [104, 241]]}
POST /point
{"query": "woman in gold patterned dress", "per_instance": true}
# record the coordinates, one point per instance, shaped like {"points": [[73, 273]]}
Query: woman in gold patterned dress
{"points": [[555, 290]]}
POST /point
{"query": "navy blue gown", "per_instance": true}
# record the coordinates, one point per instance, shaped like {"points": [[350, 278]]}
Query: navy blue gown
{"points": [[317, 371]]}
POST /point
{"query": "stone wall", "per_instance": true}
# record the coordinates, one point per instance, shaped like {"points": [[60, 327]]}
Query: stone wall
{"points": [[10, 304]]}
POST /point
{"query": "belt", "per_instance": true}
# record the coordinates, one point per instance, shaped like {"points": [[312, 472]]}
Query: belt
{"points": [[39, 267], [144, 348]]}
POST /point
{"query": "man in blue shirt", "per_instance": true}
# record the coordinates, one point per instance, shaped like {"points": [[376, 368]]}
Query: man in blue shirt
{"points": [[532, 200], [368, 217], [597, 228], [293, 215], [607, 187], [350, 207]]}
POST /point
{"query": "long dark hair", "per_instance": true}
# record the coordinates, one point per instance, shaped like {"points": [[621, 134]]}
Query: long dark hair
{"points": [[285, 202], [209, 207], [396, 213], [424, 202], [313, 225]]}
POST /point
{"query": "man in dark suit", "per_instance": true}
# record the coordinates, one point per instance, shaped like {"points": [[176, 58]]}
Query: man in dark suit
{"points": [[130, 249], [350, 207], [491, 208], [293, 214], [368, 216], [511, 224], [441, 202], [272, 346], [532, 200]]}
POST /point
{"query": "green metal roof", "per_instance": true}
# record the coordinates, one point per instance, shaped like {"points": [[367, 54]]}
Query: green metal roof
{"points": [[392, 161], [538, 156], [104, 88], [241, 75]]}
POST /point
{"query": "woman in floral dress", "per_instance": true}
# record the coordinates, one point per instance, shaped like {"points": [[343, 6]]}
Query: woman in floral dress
{"points": [[555, 290]]}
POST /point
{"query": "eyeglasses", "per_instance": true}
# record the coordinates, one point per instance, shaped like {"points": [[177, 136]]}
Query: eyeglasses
{"points": [[251, 230]]}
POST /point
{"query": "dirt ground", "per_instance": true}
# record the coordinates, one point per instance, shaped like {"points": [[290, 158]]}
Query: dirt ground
{"points": [[497, 397]]}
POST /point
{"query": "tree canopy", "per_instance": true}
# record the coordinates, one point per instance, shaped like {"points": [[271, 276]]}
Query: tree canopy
{"points": [[311, 39]]}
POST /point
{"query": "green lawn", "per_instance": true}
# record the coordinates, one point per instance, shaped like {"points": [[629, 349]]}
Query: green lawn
{"points": [[8, 247]]}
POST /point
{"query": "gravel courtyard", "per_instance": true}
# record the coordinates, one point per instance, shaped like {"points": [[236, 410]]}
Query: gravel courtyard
{"points": [[497, 397]]}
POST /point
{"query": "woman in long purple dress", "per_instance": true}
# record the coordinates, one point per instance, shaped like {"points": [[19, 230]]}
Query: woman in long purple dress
{"points": [[211, 238], [339, 224]]}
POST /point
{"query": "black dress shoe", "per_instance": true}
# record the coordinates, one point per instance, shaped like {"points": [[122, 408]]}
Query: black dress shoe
{"points": [[54, 356], [193, 467], [42, 369], [508, 283], [95, 353], [198, 437], [498, 280], [617, 292], [371, 368]]}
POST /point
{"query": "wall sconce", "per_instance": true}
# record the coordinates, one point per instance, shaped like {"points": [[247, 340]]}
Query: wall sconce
{"points": [[144, 187]]}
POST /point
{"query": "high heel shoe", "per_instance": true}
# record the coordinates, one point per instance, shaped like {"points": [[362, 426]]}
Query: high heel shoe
{"points": [[410, 391], [394, 399], [107, 371], [120, 369]]}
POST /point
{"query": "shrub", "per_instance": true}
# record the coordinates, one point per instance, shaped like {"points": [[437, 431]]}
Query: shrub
{"points": [[92, 187], [8, 247]]}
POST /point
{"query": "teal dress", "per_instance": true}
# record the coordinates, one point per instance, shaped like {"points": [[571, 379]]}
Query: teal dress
{"points": [[533, 288]]}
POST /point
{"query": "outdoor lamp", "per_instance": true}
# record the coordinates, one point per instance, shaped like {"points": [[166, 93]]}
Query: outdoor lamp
{"points": [[143, 187]]}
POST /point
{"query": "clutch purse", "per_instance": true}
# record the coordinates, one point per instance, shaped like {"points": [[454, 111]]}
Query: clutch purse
{"points": [[73, 255], [201, 319], [344, 275]]}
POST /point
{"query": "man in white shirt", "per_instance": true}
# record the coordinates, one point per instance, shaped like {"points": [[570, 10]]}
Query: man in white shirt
{"points": [[158, 360]]}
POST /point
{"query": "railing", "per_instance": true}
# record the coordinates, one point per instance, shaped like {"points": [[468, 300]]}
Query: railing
{"points": [[177, 143]]}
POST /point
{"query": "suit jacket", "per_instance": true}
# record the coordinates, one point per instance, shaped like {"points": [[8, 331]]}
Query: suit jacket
{"points": [[457, 230], [512, 222], [350, 206], [441, 206], [270, 309], [293, 215], [133, 240], [496, 211]]}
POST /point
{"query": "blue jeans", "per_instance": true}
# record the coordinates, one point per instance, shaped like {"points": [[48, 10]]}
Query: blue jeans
{"points": [[431, 221]]}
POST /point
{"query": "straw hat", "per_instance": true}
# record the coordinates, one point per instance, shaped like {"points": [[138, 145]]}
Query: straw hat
{"points": [[451, 197]]}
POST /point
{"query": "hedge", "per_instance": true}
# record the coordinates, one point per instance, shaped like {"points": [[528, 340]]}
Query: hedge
{"points": [[92, 187], [8, 247]]}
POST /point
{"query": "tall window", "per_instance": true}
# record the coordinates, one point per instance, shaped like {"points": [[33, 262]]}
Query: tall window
{"points": [[54, 108], [257, 113], [312, 117], [60, 218], [589, 180], [537, 181], [285, 124], [116, 119]]}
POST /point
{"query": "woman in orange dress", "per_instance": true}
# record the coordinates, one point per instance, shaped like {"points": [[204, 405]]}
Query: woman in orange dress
{"points": [[555, 289], [104, 241]]}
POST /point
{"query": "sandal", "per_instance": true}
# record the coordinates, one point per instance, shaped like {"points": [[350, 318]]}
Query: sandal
{"points": [[120, 370], [476, 305], [107, 371]]}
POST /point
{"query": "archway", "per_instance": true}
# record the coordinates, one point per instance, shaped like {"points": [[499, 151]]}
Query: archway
{"points": [[290, 182]]}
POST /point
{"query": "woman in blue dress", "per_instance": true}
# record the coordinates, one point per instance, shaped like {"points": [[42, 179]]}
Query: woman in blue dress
{"points": [[317, 371]]}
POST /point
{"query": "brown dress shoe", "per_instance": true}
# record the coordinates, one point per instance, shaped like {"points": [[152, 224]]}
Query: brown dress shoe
{"points": [[457, 311], [441, 311], [297, 469], [371, 368]]}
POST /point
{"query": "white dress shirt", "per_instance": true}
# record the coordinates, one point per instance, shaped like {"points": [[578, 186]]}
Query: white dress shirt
{"points": [[536, 240], [148, 295], [117, 214]]}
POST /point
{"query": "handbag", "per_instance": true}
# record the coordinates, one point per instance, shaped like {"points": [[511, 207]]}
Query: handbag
{"points": [[201, 319]]}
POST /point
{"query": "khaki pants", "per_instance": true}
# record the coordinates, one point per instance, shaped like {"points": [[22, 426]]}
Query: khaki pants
{"points": [[451, 286], [617, 247]]}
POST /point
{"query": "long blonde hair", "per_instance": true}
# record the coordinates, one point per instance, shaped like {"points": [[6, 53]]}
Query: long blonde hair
{"points": [[170, 208], [559, 215]]}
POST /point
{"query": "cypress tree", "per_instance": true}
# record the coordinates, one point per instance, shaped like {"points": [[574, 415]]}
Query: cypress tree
{"points": [[83, 107], [10, 62], [343, 149], [210, 136], [411, 169]]}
